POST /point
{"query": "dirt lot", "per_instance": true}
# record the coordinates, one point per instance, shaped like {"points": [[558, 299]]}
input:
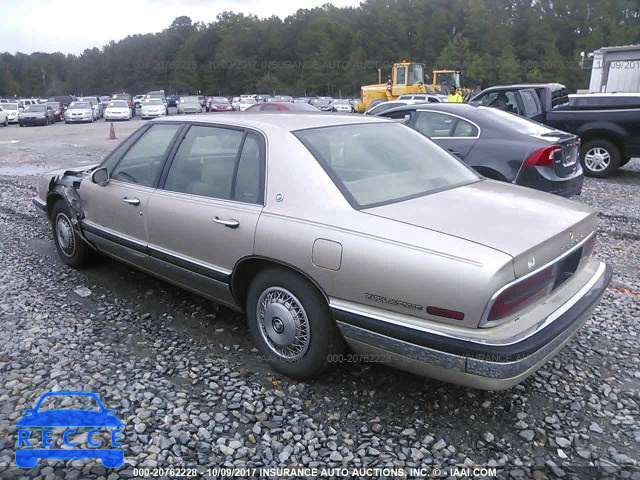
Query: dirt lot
{"points": [[183, 376]]}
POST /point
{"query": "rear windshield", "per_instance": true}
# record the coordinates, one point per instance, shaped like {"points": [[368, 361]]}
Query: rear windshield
{"points": [[559, 98], [376, 164], [511, 121]]}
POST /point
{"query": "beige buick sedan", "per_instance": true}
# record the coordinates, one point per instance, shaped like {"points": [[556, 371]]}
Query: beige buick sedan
{"points": [[329, 230]]}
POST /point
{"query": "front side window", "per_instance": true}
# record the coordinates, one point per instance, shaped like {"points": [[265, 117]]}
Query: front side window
{"points": [[401, 75], [529, 103], [142, 163], [376, 164]]}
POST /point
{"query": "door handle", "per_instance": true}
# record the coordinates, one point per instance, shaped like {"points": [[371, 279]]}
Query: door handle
{"points": [[457, 154], [131, 201], [231, 223]]}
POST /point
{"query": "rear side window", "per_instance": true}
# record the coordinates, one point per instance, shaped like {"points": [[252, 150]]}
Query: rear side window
{"points": [[218, 163], [434, 124], [530, 103]]}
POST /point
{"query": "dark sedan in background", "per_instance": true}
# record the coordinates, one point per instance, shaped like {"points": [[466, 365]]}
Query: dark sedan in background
{"points": [[500, 145], [36, 115]]}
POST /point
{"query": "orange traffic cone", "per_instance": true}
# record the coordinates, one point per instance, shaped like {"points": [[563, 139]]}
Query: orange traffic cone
{"points": [[112, 132]]}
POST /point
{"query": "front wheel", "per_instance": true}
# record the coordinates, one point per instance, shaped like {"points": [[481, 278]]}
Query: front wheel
{"points": [[71, 248], [599, 158], [291, 324]]}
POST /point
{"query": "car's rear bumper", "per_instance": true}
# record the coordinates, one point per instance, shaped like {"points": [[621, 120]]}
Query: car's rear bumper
{"points": [[565, 187], [485, 365]]}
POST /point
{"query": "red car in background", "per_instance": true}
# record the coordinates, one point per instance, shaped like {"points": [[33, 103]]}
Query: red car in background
{"points": [[58, 110], [282, 106], [219, 104]]}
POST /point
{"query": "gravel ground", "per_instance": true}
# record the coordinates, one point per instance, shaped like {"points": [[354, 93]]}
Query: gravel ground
{"points": [[187, 384]]}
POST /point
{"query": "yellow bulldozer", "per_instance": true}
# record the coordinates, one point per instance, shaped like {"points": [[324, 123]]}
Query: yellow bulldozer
{"points": [[408, 77]]}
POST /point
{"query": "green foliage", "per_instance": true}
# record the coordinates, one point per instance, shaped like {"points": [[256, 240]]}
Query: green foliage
{"points": [[329, 50]]}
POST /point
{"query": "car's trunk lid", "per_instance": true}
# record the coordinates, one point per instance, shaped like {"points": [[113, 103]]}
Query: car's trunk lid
{"points": [[532, 227], [565, 159]]}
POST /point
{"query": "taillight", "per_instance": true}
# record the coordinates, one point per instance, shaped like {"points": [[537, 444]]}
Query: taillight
{"points": [[522, 294], [545, 157]]}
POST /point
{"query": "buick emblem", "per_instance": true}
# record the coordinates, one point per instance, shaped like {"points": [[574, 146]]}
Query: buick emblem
{"points": [[570, 236], [531, 262]]}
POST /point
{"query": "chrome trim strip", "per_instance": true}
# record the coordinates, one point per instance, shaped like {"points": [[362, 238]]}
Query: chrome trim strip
{"points": [[189, 259], [113, 233], [405, 349], [484, 323], [496, 343]]}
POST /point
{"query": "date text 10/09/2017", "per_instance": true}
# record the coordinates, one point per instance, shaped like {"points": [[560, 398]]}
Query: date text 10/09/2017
{"points": [[424, 472]]}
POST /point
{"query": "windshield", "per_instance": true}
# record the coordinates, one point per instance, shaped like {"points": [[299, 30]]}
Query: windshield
{"points": [[189, 100], [416, 73], [34, 108], [248, 100], [80, 105], [374, 164], [322, 101], [54, 105], [119, 104], [219, 100], [153, 101], [341, 102], [9, 106], [511, 121], [121, 96]]}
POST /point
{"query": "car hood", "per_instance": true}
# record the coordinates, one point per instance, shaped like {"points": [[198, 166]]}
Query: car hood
{"points": [[521, 222], [69, 418]]}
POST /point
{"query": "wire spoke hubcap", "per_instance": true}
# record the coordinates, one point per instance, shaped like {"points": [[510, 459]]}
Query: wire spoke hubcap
{"points": [[283, 323], [64, 233], [597, 159]]}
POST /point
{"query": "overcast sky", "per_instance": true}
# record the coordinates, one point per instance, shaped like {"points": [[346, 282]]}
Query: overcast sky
{"points": [[71, 26]]}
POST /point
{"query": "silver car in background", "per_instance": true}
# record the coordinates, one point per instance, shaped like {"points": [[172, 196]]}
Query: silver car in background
{"points": [[79, 111], [189, 104], [387, 242], [152, 108], [117, 110]]}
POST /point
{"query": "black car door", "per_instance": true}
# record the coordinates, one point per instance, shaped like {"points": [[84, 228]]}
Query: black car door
{"points": [[451, 132]]}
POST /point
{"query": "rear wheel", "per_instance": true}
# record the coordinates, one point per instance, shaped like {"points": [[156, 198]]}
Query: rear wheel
{"points": [[599, 158], [291, 324], [71, 248]]}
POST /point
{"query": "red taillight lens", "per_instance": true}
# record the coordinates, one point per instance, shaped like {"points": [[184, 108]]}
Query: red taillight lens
{"points": [[522, 294], [545, 157]]}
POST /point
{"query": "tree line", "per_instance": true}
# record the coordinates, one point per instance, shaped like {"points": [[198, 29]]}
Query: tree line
{"points": [[333, 51]]}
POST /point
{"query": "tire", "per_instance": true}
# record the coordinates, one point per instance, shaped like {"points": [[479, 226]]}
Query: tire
{"points": [[46, 122], [308, 356], [600, 158], [71, 248], [6, 122]]}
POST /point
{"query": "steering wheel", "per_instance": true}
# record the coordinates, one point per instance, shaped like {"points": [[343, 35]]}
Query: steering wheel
{"points": [[125, 174]]}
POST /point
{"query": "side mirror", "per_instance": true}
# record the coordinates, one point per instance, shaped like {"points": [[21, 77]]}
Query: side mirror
{"points": [[21, 109], [100, 177]]}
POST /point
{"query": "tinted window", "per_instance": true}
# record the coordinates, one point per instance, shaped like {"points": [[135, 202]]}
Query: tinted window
{"points": [[509, 121], [465, 129], [374, 164], [503, 100], [143, 161], [559, 98], [434, 124], [401, 75], [529, 102], [205, 162]]}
